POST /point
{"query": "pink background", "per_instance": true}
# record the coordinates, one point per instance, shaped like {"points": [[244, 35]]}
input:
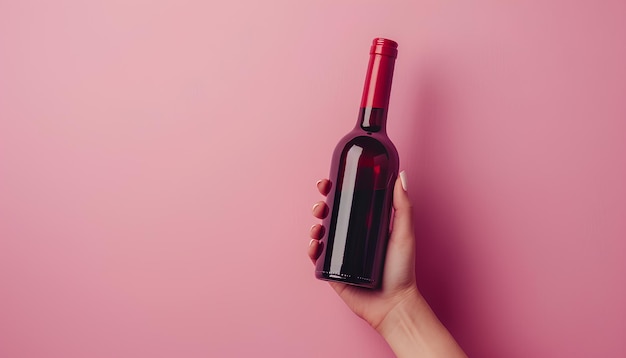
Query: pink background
{"points": [[158, 161]]}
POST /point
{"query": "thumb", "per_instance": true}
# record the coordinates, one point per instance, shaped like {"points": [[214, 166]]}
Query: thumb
{"points": [[403, 213]]}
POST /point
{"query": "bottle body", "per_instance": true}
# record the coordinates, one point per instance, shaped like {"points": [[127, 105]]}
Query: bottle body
{"points": [[363, 172]]}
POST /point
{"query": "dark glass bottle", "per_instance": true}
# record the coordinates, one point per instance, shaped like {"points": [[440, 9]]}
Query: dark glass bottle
{"points": [[363, 172]]}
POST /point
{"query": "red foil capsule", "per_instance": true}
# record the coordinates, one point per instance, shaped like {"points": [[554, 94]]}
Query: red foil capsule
{"points": [[377, 87]]}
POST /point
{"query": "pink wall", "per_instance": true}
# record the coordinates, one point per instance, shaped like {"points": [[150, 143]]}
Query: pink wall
{"points": [[158, 160]]}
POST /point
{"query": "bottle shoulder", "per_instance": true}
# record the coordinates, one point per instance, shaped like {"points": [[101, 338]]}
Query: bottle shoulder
{"points": [[373, 139], [374, 143]]}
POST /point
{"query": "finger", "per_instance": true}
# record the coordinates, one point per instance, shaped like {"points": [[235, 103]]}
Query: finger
{"points": [[402, 218], [320, 210], [323, 185], [317, 231], [314, 250]]}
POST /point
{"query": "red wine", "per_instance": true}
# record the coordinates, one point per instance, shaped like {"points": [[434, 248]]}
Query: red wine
{"points": [[363, 171]]}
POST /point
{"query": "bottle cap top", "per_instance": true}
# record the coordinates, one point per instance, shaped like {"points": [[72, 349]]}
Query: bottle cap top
{"points": [[384, 47]]}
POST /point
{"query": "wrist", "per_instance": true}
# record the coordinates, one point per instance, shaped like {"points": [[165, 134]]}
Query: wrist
{"points": [[404, 316], [412, 329]]}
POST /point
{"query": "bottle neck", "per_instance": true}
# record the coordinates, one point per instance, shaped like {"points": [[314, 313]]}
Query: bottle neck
{"points": [[373, 119], [377, 89]]}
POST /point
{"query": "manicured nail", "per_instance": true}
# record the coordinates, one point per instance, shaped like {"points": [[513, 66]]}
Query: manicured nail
{"points": [[315, 206], [403, 179], [318, 182], [311, 242], [312, 227]]}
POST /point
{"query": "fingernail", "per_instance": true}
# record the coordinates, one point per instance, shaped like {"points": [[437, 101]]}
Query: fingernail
{"points": [[403, 179], [315, 206], [312, 227], [311, 242], [318, 182]]}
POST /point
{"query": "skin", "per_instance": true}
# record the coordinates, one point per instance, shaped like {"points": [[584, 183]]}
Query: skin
{"points": [[397, 310]]}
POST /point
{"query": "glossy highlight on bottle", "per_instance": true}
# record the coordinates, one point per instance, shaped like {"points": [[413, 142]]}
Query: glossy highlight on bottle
{"points": [[363, 171]]}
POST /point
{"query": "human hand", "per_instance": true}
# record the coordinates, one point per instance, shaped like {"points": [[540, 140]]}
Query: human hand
{"points": [[396, 310], [398, 283]]}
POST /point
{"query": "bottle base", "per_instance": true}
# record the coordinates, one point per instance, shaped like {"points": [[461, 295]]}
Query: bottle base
{"points": [[346, 279]]}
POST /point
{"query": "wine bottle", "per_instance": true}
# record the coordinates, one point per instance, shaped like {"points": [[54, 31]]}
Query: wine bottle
{"points": [[363, 171]]}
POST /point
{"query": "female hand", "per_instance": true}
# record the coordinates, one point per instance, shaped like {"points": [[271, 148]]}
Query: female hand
{"points": [[397, 310], [398, 283]]}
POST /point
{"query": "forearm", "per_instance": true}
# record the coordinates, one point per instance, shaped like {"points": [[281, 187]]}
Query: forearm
{"points": [[413, 330]]}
